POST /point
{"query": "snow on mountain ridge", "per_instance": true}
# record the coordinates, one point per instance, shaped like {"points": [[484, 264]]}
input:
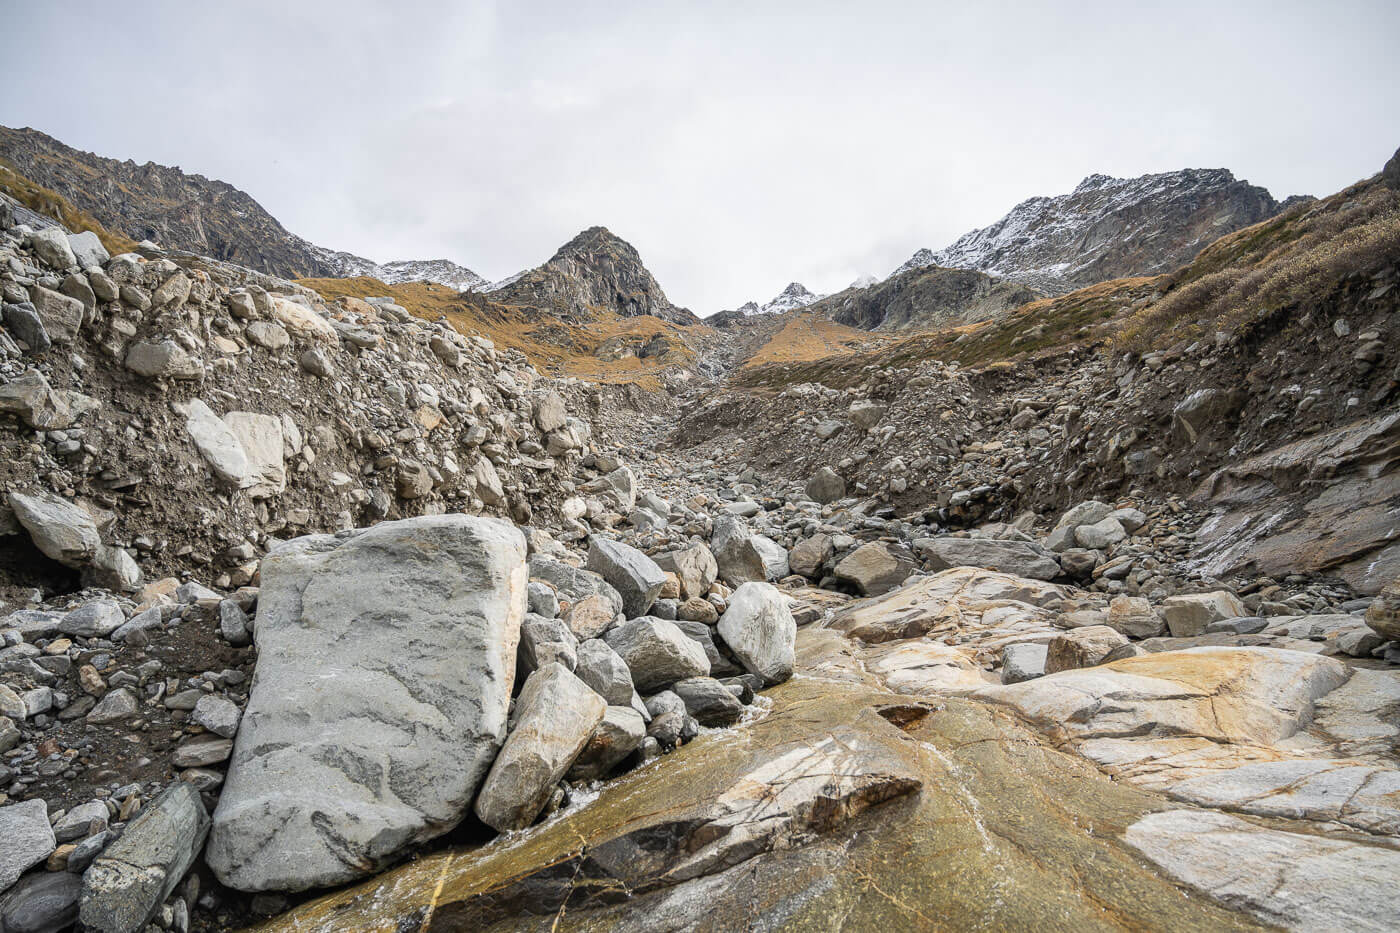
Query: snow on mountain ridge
{"points": [[791, 298], [441, 271], [1097, 230]]}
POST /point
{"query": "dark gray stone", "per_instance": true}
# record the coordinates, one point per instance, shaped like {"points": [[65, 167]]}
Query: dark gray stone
{"points": [[129, 881]]}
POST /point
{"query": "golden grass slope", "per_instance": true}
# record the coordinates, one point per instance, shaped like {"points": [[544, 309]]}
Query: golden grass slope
{"points": [[51, 204], [552, 345]]}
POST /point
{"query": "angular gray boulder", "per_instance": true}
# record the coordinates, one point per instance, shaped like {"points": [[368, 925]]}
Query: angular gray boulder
{"points": [[26, 839], [604, 670], [58, 528], [657, 653], [619, 733], [386, 659], [133, 876], [572, 583], [826, 485], [1018, 558], [634, 575], [554, 716], [737, 557], [708, 700], [758, 627]]}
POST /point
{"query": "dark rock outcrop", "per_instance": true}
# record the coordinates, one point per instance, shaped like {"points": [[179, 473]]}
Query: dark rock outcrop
{"points": [[594, 272], [924, 298]]}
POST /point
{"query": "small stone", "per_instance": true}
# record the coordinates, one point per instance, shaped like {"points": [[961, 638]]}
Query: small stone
{"points": [[217, 714], [116, 705], [1022, 662]]}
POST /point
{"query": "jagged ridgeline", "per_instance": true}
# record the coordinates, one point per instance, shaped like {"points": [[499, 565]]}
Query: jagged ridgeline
{"points": [[341, 596]]}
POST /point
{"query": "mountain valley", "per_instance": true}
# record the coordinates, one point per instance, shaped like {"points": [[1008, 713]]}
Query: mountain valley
{"points": [[1052, 581]]}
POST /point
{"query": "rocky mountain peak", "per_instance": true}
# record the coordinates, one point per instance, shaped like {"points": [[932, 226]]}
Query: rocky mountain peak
{"points": [[1108, 228], [596, 271], [794, 296], [190, 212]]}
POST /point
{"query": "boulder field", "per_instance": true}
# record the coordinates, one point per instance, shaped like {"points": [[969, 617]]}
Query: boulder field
{"points": [[322, 615]]}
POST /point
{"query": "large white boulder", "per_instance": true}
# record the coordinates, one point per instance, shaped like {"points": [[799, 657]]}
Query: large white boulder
{"points": [[386, 659], [758, 627]]}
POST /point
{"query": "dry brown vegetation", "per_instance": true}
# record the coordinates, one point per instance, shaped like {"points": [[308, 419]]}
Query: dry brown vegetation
{"points": [[1297, 260], [51, 204], [805, 336], [552, 345]]}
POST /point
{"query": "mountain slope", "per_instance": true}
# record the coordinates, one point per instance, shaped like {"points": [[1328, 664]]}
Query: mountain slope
{"points": [[196, 214], [920, 298], [1108, 228], [594, 272]]}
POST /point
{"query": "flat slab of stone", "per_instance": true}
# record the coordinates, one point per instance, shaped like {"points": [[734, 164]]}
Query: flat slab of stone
{"points": [[27, 839], [635, 576], [1298, 881], [1021, 558]]}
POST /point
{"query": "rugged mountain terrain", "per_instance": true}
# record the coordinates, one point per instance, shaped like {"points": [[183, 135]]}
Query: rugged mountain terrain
{"points": [[594, 272], [923, 298], [197, 214], [791, 298], [339, 604], [1108, 228]]}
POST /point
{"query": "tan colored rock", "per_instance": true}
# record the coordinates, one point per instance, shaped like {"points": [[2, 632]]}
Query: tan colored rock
{"points": [[810, 555], [1189, 614], [1081, 647], [873, 569], [1135, 617], [696, 609], [985, 609], [302, 322], [694, 566], [1383, 615], [924, 666], [590, 616]]}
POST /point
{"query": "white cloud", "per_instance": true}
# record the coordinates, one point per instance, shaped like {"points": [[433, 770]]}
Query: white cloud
{"points": [[739, 146]]}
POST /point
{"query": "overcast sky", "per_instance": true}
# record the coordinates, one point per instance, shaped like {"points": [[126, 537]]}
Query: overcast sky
{"points": [[738, 146]]}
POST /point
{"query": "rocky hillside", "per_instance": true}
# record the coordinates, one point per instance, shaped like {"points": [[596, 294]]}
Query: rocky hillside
{"points": [[193, 213], [923, 298], [321, 613], [1220, 382], [595, 272], [1108, 228]]}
